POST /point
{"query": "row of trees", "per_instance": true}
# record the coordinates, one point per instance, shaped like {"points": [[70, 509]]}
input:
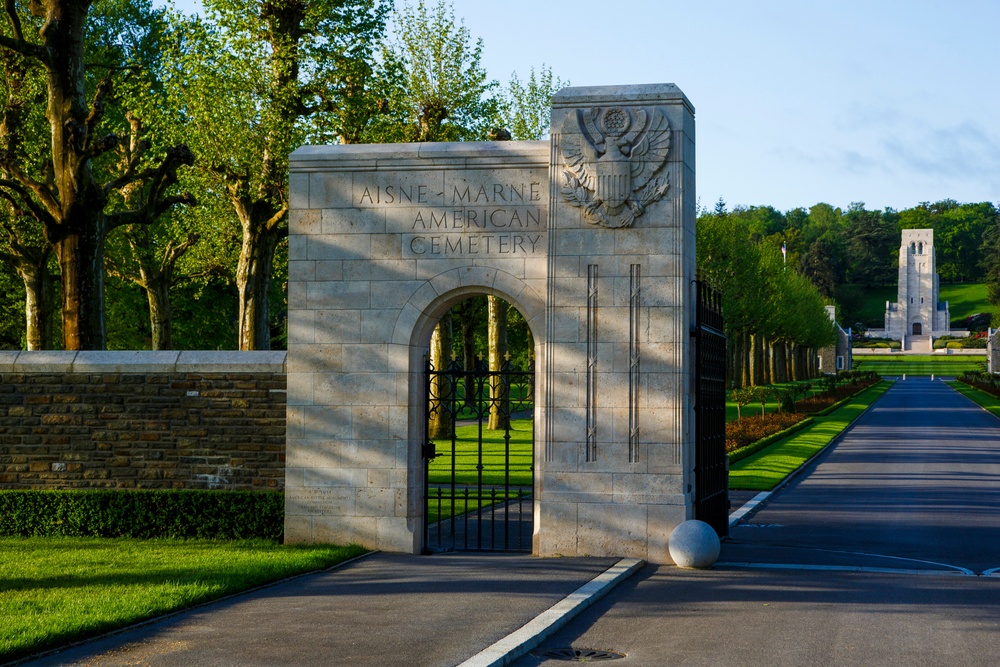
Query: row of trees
{"points": [[774, 316], [144, 153]]}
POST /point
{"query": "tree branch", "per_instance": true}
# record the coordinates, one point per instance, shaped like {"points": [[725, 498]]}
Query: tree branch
{"points": [[104, 89], [15, 21], [275, 219], [25, 48], [25, 183], [166, 203], [26, 203]]}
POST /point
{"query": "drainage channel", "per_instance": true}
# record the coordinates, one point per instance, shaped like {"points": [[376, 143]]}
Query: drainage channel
{"points": [[577, 654]]}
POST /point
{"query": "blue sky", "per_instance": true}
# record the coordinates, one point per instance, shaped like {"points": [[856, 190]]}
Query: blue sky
{"points": [[888, 102]]}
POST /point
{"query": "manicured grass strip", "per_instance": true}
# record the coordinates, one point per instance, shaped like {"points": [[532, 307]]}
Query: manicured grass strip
{"points": [[766, 469], [918, 364], [466, 456], [988, 401], [54, 591], [443, 507]]}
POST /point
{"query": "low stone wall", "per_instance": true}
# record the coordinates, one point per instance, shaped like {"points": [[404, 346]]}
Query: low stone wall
{"points": [[187, 420]]}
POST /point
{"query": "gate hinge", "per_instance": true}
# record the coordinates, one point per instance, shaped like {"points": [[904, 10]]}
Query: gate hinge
{"points": [[429, 450]]}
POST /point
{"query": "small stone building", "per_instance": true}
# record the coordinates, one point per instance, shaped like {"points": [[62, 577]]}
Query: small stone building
{"points": [[837, 357]]}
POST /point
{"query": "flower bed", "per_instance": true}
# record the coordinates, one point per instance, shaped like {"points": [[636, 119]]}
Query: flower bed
{"points": [[743, 432], [746, 431], [986, 382]]}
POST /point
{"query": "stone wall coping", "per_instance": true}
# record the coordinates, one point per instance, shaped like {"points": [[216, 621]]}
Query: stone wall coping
{"points": [[627, 94], [455, 154], [142, 361]]}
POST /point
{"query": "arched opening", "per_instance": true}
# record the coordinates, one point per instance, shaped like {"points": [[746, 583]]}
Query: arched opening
{"points": [[920, 248], [478, 427], [917, 329]]}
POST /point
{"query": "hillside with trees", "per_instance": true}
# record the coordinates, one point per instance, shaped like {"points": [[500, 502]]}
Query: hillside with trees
{"points": [[850, 255]]}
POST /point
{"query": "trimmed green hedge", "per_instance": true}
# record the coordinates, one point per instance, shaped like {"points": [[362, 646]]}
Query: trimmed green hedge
{"points": [[146, 514]]}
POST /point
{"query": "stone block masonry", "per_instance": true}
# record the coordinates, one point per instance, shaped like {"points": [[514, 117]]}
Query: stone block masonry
{"points": [[154, 420]]}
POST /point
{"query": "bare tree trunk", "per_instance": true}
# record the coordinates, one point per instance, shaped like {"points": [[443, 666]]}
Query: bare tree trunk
{"points": [[772, 366], [745, 361], [440, 423], [81, 264], [253, 282], [468, 314], [38, 287], [38, 293], [731, 350], [499, 388], [160, 320]]}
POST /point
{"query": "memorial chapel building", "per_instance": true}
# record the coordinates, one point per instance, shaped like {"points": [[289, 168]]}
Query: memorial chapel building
{"points": [[917, 311]]}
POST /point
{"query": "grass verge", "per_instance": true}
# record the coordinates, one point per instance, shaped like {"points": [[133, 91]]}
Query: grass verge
{"points": [[59, 590], [465, 456], [767, 468], [918, 364], [987, 401]]}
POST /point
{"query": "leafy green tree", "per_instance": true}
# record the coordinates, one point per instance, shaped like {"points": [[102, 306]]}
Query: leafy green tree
{"points": [[446, 94], [958, 235], [263, 75], [526, 108], [872, 244], [68, 193], [741, 397]]}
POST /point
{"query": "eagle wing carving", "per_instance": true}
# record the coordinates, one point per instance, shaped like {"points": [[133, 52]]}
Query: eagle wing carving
{"points": [[579, 153], [649, 152]]}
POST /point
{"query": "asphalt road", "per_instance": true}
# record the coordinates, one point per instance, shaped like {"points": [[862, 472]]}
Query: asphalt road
{"points": [[885, 552]]}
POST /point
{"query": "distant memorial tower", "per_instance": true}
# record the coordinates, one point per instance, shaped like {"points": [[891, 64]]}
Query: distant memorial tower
{"points": [[917, 311]]}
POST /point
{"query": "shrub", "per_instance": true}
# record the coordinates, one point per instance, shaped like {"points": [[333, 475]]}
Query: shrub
{"points": [[143, 514], [981, 380], [751, 429]]}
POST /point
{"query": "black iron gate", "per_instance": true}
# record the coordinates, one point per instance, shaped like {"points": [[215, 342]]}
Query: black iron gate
{"points": [[478, 482], [711, 472]]}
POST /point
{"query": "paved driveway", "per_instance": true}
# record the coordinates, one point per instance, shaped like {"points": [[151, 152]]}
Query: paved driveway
{"points": [[876, 556]]}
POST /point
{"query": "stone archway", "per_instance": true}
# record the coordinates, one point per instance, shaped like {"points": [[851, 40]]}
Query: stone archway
{"points": [[594, 247], [422, 316]]}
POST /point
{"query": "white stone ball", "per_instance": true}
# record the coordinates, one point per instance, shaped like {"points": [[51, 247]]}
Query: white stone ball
{"points": [[694, 544]]}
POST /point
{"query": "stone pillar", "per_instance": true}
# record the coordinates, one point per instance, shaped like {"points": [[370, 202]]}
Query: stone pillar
{"points": [[615, 475]]}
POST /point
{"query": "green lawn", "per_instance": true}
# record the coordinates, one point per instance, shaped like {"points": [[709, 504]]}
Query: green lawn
{"points": [[918, 364], [867, 304], [59, 590], [769, 467], [966, 299], [864, 304], [466, 456], [988, 401]]}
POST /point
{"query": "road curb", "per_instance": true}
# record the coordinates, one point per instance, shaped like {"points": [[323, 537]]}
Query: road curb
{"points": [[537, 630]]}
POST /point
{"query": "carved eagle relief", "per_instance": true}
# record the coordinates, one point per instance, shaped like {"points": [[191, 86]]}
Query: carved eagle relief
{"points": [[613, 156]]}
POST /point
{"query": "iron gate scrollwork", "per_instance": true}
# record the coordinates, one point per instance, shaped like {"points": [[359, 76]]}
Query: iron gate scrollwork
{"points": [[711, 470], [478, 482]]}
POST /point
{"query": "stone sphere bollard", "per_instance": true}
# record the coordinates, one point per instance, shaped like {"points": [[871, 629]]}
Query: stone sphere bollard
{"points": [[694, 544]]}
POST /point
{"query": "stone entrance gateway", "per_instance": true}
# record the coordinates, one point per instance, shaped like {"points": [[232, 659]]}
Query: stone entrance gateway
{"points": [[589, 235]]}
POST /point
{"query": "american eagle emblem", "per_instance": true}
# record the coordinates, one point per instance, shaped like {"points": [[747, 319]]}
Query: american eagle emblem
{"points": [[613, 156]]}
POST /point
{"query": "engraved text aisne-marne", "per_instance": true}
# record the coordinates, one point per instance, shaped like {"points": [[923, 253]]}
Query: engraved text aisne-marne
{"points": [[487, 219]]}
